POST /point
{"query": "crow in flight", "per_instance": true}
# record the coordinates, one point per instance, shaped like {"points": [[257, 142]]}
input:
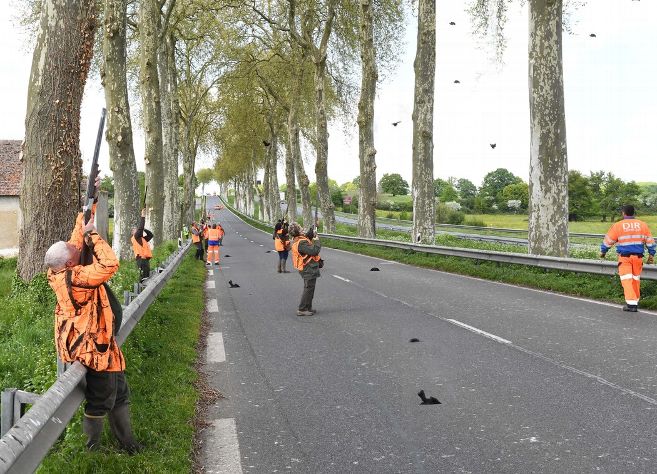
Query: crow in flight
{"points": [[452, 23], [266, 143], [394, 124], [493, 145]]}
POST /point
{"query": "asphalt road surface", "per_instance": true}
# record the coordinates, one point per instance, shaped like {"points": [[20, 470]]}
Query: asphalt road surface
{"points": [[528, 381]]}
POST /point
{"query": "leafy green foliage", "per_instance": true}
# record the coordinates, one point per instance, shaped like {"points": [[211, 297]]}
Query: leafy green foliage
{"points": [[393, 184]]}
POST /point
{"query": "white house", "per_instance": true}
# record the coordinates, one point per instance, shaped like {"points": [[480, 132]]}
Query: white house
{"points": [[11, 170]]}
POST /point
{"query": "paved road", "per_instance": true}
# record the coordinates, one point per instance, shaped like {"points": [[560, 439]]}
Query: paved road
{"points": [[529, 381]]}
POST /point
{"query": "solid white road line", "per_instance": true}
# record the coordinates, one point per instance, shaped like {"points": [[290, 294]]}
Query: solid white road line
{"points": [[209, 284], [341, 278], [223, 448], [216, 352], [479, 331], [213, 306]]}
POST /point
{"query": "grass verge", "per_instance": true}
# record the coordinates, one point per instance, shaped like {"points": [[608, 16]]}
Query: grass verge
{"points": [[599, 287], [160, 357]]}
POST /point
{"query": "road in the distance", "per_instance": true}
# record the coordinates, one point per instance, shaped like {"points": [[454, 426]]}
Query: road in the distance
{"points": [[529, 381]]}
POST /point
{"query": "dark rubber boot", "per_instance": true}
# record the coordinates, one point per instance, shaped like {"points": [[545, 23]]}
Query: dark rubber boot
{"points": [[93, 428], [119, 419], [632, 308]]}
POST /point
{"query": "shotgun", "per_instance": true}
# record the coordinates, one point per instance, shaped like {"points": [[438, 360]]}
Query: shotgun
{"points": [[86, 256]]}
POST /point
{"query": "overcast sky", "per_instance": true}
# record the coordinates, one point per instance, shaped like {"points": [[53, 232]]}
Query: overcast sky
{"points": [[611, 98]]}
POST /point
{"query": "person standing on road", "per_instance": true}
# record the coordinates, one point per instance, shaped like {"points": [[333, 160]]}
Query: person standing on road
{"points": [[141, 247], [282, 246], [305, 257], [215, 236], [630, 236], [197, 240], [85, 327]]}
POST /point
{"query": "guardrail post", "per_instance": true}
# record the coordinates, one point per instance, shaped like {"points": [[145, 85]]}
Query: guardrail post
{"points": [[7, 415], [61, 366], [136, 289], [126, 298]]}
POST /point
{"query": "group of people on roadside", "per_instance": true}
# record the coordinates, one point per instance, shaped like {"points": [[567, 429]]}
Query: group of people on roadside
{"points": [[305, 248], [207, 237]]}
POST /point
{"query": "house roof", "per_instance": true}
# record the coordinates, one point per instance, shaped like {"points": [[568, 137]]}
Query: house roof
{"points": [[11, 168]]}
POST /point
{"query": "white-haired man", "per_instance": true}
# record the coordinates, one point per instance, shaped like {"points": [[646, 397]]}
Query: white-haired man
{"points": [[84, 331]]}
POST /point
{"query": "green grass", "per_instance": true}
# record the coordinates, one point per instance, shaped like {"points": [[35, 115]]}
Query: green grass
{"points": [[600, 287], [160, 356]]}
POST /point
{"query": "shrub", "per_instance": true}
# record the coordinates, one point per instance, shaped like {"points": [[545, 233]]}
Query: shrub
{"points": [[447, 215], [455, 218], [390, 215], [474, 222], [404, 216]]}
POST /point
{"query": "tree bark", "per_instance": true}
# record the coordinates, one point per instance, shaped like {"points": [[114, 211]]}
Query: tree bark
{"points": [[291, 188], [424, 207], [149, 16], [321, 166], [274, 196], [189, 161], [52, 171], [119, 128], [366, 150], [302, 178], [548, 168], [169, 141], [265, 205]]}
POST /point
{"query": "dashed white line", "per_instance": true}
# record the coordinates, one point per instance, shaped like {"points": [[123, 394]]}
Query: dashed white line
{"points": [[223, 449], [211, 272], [215, 351], [342, 278], [213, 306], [209, 284], [478, 331]]}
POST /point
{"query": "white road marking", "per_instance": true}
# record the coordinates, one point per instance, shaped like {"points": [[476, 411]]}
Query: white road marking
{"points": [[261, 245], [213, 306], [216, 352], [211, 272], [341, 278], [479, 331], [209, 284], [223, 448]]}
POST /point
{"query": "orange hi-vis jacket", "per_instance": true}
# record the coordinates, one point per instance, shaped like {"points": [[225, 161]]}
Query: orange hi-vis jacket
{"points": [[143, 250], [280, 244], [215, 234], [196, 234], [630, 235], [84, 322], [298, 260]]}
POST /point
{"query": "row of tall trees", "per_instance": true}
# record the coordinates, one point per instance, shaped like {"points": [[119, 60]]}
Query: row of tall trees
{"points": [[256, 83]]}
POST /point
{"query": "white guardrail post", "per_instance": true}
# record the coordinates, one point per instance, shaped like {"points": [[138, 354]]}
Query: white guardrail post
{"points": [[25, 445]]}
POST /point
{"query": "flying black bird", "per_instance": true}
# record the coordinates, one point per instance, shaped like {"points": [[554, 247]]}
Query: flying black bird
{"points": [[592, 35], [493, 145], [452, 23], [456, 81], [415, 339], [394, 124], [427, 401], [232, 285], [266, 143], [374, 269]]}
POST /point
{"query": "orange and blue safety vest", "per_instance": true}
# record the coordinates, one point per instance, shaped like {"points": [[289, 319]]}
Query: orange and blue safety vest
{"points": [[630, 236]]}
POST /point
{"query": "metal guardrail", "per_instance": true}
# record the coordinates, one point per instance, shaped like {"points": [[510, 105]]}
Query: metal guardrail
{"points": [[25, 445], [600, 267]]}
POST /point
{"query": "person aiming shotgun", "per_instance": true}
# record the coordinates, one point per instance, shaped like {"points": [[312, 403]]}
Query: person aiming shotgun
{"points": [[87, 318], [140, 240]]}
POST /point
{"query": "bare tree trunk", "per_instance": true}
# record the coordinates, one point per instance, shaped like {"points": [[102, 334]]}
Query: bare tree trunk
{"points": [[321, 166], [189, 150], [149, 16], [548, 168], [274, 196], [302, 178], [424, 207], [291, 189], [50, 195], [175, 136], [250, 202], [169, 141], [265, 206], [119, 128], [366, 150]]}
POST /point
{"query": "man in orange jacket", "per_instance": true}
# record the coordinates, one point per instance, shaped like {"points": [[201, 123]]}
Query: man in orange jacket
{"points": [[306, 259], [630, 236], [197, 240], [215, 236], [142, 248], [84, 331]]}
